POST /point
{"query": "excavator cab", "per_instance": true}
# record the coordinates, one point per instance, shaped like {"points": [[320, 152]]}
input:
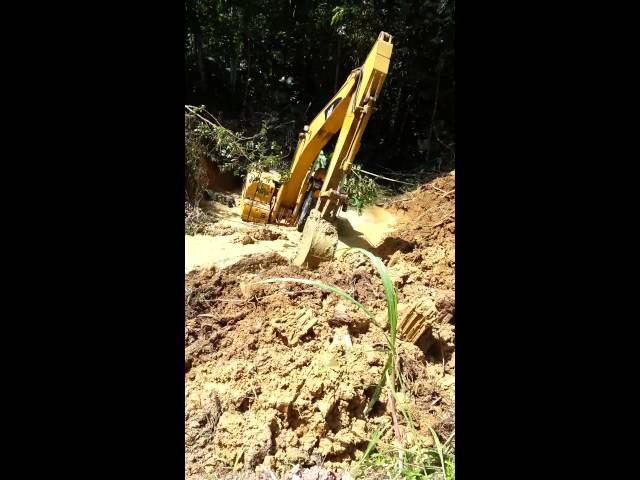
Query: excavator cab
{"points": [[315, 182], [318, 180]]}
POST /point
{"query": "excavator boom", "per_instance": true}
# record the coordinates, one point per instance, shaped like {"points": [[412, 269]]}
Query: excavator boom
{"points": [[348, 112]]}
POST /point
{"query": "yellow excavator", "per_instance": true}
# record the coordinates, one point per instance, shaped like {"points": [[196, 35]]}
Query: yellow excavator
{"points": [[310, 199]]}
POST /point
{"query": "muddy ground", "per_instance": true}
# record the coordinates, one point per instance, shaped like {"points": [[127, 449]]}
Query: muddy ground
{"points": [[278, 376]]}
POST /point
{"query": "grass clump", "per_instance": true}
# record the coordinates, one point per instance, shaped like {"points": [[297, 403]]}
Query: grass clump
{"points": [[420, 459]]}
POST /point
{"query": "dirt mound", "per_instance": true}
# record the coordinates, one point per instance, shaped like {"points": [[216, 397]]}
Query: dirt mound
{"points": [[266, 234], [424, 242], [219, 230], [279, 374]]}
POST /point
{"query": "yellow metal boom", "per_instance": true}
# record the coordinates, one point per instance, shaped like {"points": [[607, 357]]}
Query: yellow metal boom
{"points": [[347, 112]]}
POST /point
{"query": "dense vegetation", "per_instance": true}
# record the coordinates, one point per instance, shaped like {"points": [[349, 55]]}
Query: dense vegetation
{"points": [[257, 63]]}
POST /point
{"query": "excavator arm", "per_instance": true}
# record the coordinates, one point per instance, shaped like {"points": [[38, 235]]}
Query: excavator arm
{"points": [[310, 142], [347, 112]]}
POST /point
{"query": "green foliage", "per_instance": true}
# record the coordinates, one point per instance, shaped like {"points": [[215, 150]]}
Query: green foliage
{"points": [[206, 140], [230, 150], [418, 461], [287, 59], [362, 190], [375, 438], [338, 15]]}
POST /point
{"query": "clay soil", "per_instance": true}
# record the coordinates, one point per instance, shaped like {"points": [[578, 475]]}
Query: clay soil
{"points": [[278, 376]]}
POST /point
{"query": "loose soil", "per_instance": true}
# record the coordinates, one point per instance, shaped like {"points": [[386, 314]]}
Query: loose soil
{"points": [[278, 376]]}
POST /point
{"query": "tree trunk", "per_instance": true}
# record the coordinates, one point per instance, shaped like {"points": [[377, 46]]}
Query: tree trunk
{"points": [[398, 137], [196, 31], [246, 87], [393, 124], [237, 49], [335, 83], [233, 73], [204, 84], [435, 106]]}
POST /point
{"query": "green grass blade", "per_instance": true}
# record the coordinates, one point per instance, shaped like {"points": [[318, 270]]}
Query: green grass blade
{"points": [[237, 461], [439, 450], [392, 316], [450, 469], [375, 438], [400, 405], [378, 390], [446, 444], [389, 291]]}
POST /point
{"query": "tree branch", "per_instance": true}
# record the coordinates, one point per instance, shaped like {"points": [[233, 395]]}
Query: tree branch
{"points": [[387, 178]]}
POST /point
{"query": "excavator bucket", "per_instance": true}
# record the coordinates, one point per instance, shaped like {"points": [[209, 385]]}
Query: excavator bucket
{"points": [[318, 243]]}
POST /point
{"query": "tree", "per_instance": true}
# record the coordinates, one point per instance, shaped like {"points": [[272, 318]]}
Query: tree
{"points": [[258, 59]]}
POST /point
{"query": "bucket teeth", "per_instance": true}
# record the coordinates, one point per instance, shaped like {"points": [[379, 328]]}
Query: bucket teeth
{"points": [[415, 319]]}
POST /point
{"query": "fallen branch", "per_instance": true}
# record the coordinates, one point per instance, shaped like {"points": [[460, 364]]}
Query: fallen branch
{"points": [[194, 112], [403, 199], [436, 188], [220, 300], [234, 317], [387, 178], [448, 147], [442, 221], [394, 416]]}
